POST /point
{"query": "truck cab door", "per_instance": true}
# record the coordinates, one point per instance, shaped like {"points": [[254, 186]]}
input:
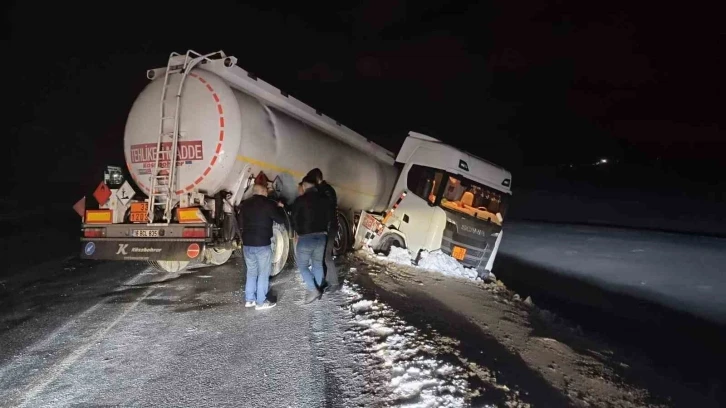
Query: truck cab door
{"points": [[417, 217]]}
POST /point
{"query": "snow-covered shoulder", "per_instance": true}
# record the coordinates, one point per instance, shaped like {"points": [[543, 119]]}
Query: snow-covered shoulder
{"points": [[434, 261]]}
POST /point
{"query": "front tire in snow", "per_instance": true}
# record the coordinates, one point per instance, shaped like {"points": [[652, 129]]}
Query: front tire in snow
{"points": [[390, 240]]}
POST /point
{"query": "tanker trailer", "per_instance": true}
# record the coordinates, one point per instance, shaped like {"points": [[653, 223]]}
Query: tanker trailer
{"points": [[225, 128]]}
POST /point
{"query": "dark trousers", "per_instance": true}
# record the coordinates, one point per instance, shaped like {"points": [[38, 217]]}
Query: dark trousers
{"points": [[331, 272]]}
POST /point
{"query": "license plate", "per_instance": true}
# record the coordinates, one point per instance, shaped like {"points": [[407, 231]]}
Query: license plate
{"points": [[458, 253], [145, 233], [139, 212]]}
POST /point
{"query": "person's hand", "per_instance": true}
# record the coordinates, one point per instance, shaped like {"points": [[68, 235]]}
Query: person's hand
{"points": [[280, 204]]}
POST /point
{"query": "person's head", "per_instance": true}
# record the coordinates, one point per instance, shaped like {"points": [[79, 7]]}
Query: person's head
{"points": [[308, 181], [259, 189], [316, 175]]}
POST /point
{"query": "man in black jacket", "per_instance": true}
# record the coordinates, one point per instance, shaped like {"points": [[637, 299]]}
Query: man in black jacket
{"points": [[310, 217], [255, 219], [330, 272]]}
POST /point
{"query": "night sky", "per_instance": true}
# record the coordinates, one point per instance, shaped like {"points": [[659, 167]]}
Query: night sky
{"points": [[529, 86]]}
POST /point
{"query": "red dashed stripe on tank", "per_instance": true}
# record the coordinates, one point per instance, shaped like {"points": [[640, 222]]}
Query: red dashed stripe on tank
{"points": [[218, 149]]}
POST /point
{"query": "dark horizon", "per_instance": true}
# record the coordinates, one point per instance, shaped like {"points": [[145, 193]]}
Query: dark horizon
{"points": [[534, 89]]}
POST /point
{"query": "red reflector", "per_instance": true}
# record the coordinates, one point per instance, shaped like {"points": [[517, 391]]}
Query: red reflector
{"points": [[94, 232], [194, 233]]}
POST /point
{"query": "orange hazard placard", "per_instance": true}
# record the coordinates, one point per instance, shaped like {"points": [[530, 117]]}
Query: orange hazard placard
{"points": [[458, 253], [139, 212], [102, 193]]}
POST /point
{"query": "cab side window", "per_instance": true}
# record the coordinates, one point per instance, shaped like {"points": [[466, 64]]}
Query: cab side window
{"points": [[424, 181]]}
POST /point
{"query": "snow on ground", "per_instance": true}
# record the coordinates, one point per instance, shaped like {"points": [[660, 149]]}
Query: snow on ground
{"points": [[440, 262], [434, 261], [413, 368], [403, 363], [399, 256], [680, 271]]}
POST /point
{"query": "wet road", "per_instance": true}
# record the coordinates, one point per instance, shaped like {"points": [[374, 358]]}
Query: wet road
{"points": [[88, 333], [123, 334]]}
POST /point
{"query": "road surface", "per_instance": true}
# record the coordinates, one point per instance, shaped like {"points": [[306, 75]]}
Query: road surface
{"points": [[80, 333], [123, 334]]}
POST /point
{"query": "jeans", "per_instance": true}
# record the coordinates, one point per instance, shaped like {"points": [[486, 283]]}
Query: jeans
{"points": [[259, 266], [310, 250]]}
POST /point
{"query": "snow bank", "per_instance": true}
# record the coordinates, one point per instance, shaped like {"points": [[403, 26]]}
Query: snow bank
{"points": [[434, 261], [399, 256], [438, 261]]}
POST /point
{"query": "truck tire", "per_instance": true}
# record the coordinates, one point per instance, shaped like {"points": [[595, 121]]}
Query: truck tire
{"points": [[218, 256], [169, 266], [341, 242], [280, 248], [390, 240]]}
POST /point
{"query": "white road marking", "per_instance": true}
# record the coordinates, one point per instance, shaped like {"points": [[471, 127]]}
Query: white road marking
{"points": [[57, 369]]}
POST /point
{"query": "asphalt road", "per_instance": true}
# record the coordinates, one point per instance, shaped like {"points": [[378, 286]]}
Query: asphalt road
{"points": [[123, 334], [120, 334]]}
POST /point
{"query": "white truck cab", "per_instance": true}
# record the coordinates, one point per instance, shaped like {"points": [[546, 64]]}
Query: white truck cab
{"points": [[444, 199]]}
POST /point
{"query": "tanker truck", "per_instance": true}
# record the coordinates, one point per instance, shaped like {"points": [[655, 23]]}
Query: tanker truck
{"points": [[204, 130]]}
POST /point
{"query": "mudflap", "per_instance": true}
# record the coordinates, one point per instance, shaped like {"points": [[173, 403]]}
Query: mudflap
{"points": [[142, 249]]}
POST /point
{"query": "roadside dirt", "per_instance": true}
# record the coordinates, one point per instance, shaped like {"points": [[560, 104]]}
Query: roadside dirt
{"points": [[550, 362]]}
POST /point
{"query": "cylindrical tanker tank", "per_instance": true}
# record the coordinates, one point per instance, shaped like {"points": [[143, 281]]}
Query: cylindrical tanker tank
{"points": [[226, 136]]}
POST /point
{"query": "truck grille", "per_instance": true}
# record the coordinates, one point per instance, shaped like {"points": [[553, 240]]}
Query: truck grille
{"points": [[478, 248]]}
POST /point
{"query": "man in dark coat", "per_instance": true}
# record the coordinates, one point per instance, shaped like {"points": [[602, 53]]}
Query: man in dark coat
{"points": [[255, 219], [310, 218], [329, 268]]}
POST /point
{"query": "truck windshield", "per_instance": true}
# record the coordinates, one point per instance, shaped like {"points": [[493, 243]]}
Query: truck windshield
{"points": [[456, 193], [477, 200]]}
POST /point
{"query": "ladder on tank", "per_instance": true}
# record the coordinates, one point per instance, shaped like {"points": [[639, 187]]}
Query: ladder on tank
{"points": [[161, 193]]}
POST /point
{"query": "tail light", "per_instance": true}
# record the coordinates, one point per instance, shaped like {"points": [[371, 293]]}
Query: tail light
{"points": [[194, 232], [189, 215], [94, 232], [98, 217]]}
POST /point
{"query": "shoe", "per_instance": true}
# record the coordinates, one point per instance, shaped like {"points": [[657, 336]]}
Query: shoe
{"points": [[324, 286], [312, 296], [266, 305], [250, 303]]}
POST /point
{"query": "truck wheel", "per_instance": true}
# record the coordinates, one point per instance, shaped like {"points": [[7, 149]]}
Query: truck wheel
{"points": [[388, 241], [341, 242], [218, 256], [280, 248], [169, 266]]}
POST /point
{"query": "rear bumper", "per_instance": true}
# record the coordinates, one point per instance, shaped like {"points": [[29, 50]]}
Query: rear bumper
{"points": [[132, 249], [118, 245]]}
